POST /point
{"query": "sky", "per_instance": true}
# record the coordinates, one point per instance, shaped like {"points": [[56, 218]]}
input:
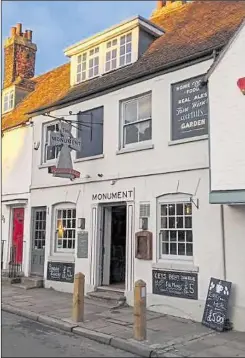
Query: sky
{"points": [[59, 24]]}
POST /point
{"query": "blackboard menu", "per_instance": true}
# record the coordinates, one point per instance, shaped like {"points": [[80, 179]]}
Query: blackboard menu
{"points": [[189, 108], [175, 284], [60, 271], [216, 307], [82, 244]]}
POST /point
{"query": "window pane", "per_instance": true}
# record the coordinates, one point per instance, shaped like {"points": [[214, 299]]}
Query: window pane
{"points": [[107, 66], [108, 45], [165, 248], [114, 53], [163, 222], [129, 37], [179, 220], [165, 235], [79, 67], [84, 76], [128, 58], [84, 56], [171, 221], [96, 61], [144, 131], [122, 40], [181, 249], [128, 47], [188, 222], [122, 61], [145, 107], [130, 112], [131, 134], [188, 235], [173, 235], [173, 249], [108, 56], [179, 209], [96, 50], [114, 42], [114, 64], [188, 209], [91, 52], [79, 59], [181, 236], [90, 74], [96, 70], [164, 210], [79, 77], [189, 250], [171, 209]]}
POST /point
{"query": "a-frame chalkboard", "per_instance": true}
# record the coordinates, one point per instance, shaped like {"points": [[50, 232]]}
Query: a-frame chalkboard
{"points": [[216, 307]]}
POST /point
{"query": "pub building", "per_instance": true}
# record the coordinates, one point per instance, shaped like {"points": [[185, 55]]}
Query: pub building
{"points": [[132, 200]]}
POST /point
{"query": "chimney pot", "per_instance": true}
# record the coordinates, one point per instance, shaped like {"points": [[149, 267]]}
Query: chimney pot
{"points": [[13, 31], [29, 34], [19, 29], [25, 35]]}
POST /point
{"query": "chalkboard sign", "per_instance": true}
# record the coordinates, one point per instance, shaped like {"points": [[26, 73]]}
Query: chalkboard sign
{"points": [[82, 244], [60, 271], [175, 284], [189, 108], [216, 307]]}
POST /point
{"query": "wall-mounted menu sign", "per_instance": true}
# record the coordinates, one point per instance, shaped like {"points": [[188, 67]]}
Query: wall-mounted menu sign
{"points": [[82, 245], [175, 284], [216, 307], [60, 271], [189, 108]]}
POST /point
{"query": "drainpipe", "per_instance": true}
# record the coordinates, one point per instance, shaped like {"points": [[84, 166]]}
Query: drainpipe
{"points": [[223, 240]]}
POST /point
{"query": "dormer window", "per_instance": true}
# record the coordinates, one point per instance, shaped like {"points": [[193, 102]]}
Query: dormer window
{"points": [[88, 65], [8, 101], [118, 52], [114, 48]]}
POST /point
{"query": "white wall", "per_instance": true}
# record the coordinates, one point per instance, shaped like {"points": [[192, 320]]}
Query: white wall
{"points": [[227, 124], [16, 181], [163, 158]]}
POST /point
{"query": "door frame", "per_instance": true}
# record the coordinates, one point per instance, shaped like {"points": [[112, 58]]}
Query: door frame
{"points": [[96, 243], [33, 210]]}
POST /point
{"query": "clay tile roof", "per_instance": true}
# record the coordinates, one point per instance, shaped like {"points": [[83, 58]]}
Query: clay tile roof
{"points": [[192, 31], [48, 87]]}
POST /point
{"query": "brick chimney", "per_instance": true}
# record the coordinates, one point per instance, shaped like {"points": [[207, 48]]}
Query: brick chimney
{"points": [[19, 56], [166, 6]]}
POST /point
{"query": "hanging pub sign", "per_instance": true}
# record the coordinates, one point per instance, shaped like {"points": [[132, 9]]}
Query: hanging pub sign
{"points": [[216, 307], [65, 139], [189, 108]]}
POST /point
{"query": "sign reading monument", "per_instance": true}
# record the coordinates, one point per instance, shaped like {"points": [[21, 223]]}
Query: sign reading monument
{"points": [[175, 284], [64, 138], [189, 108], [216, 307]]}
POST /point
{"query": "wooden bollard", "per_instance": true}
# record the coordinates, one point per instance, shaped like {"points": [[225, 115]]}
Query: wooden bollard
{"points": [[140, 310], [78, 298]]}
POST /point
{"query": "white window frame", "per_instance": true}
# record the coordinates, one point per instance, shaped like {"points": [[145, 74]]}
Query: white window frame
{"points": [[8, 101], [142, 120], [46, 143], [117, 47], [56, 209], [83, 60], [173, 199]]}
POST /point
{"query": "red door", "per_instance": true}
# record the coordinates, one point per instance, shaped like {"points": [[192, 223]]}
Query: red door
{"points": [[18, 230]]}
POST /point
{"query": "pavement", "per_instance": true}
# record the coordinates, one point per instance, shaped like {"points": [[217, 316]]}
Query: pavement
{"points": [[167, 336], [22, 337]]}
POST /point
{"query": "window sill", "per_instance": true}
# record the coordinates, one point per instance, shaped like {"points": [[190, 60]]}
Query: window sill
{"points": [[46, 165], [187, 140], [175, 266], [135, 149], [99, 156]]}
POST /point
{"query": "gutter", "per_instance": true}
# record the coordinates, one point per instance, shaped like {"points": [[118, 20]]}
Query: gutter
{"points": [[175, 65]]}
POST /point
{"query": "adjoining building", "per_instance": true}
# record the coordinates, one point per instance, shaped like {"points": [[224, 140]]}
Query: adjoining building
{"points": [[138, 100]]}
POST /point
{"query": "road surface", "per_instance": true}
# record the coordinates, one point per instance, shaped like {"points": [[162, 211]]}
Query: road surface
{"points": [[22, 337]]}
